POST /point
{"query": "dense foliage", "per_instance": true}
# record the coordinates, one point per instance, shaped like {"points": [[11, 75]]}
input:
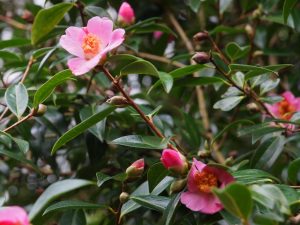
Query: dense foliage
{"points": [[150, 112]]}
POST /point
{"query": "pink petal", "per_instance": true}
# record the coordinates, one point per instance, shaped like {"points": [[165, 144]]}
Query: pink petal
{"points": [[126, 14], [13, 215], [72, 41], [223, 176], [288, 96], [298, 104], [80, 66], [273, 109], [102, 27], [202, 202], [197, 166], [117, 39]]}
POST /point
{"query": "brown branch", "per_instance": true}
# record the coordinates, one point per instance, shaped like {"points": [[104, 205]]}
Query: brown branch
{"points": [[31, 114], [13, 23], [216, 47]]}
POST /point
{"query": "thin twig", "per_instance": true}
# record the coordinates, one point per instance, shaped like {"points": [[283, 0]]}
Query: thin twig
{"points": [[13, 23], [80, 7], [31, 114], [216, 47]]}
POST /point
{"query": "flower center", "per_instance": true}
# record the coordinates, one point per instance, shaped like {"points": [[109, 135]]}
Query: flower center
{"points": [[286, 110], [205, 181], [90, 45]]}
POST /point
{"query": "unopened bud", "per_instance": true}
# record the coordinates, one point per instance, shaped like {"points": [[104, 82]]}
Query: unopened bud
{"points": [[40, 111], [252, 107], [257, 13], [136, 169], [229, 161], [258, 53], [177, 185], [27, 16], [201, 57], [124, 197], [118, 101], [204, 153], [249, 30], [174, 161], [201, 36]]}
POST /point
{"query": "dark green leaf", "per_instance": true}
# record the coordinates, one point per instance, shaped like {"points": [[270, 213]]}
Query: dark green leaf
{"points": [[166, 80], [74, 217], [158, 203], [194, 81], [294, 171], [54, 191], [81, 127], [138, 141], [229, 103], [155, 174], [16, 98], [9, 56], [17, 42], [234, 51], [170, 210], [139, 67], [254, 176], [47, 88], [102, 178], [47, 19], [287, 8]]}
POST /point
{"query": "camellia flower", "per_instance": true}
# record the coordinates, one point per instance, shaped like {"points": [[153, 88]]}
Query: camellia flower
{"points": [[285, 108], [201, 180], [174, 161], [126, 14], [90, 44], [13, 215], [136, 169]]}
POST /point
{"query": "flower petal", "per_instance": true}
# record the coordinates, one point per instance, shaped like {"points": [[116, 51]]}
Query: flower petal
{"points": [[117, 39], [102, 27], [223, 176], [72, 41], [80, 66], [13, 215], [288, 96], [211, 204]]}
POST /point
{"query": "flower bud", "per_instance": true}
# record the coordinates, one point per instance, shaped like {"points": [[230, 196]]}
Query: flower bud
{"points": [[136, 169], [27, 16], [252, 107], [124, 197], [40, 111], [204, 153], [201, 36], [249, 30], [118, 101], [201, 57], [177, 185], [126, 14], [174, 161]]}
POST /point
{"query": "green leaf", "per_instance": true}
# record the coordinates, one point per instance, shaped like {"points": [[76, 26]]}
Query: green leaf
{"points": [[234, 51], [268, 85], [9, 56], [253, 176], [156, 174], [287, 8], [236, 198], [140, 67], [16, 98], [158, 203], [229, 103], [138, 141], [268, 152], [47, 19], [96, 11], [195, 81], [74, 217], [170, 210], [224, 4], [118, 62], [166, 80], [54, 191], [72, 204], [102, 178], [273, 68], [293, 171], [194, 5], [16, 42], [47, 88], [81, 127], [22, 144], [190, 69]]}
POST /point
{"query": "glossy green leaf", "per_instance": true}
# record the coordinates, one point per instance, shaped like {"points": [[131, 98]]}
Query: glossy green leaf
{"points": [[74, 217], [287, 8], [138, 141], [170, 210], [166, 80], [268, 152], [273, 68], [194, 5], [47, 88], [234, 197], [118, 62], [187, 70], [22, 144], [16, 98], [294, 171], [81, 127], [229, 103], [71, 204], [268, 85], [155, 174], [195, 81], [9, 56], [54, 191], [246, 68], [254, 176], [234, 51], [102, 178], [223, 5], [47, 19], [96, 11], [16, 42], [140, 67], [158, 203]]}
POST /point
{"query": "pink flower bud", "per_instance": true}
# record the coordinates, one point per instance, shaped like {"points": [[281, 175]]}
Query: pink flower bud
{"points": [[13, 215], [136, 169], [174, 161], [126, 14]]}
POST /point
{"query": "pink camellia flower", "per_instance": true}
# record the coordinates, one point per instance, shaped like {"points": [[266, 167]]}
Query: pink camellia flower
{"points": [[201, 180], [286, 108], [174, 161], [136, 169], [13, 215], [126, 14], [90, 44]]}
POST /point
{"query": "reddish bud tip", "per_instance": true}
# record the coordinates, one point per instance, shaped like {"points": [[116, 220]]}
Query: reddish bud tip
{"points": [[201, 57], [201, 36]]}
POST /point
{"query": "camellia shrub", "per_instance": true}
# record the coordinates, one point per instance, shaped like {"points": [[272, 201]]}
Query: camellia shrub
{"points": [[150, 112]]}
